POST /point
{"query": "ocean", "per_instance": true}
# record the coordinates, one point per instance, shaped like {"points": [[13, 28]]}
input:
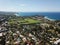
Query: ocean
{"points": [[51, 15]]}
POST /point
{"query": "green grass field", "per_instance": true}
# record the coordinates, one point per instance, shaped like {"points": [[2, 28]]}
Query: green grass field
{"points": [[23, 21]]}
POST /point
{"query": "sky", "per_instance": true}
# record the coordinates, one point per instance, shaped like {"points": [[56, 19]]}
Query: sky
{"points": [[30, 5]]}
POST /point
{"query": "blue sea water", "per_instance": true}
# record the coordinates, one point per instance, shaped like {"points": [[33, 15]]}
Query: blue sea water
{"points": [[52, 15]]}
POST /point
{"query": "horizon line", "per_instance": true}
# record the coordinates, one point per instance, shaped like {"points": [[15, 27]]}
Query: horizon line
{"points": [[29, 11]]}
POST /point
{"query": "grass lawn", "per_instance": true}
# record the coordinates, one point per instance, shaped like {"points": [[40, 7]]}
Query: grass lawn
{"points": [[28, 20], [23, 21]]}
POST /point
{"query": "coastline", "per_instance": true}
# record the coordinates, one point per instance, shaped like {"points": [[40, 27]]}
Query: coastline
{"points": [[50, 15], [49, 18]]}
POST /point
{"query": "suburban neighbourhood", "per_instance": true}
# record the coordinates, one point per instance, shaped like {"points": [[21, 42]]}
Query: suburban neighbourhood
{"points": [[29, 30]]}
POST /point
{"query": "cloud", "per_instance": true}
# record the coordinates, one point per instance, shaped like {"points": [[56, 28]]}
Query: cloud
{"points": [[22, 4]]}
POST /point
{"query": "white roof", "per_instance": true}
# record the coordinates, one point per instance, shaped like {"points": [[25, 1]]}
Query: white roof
{"points": [[17, 32], [56, 42], [0, 34]]}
